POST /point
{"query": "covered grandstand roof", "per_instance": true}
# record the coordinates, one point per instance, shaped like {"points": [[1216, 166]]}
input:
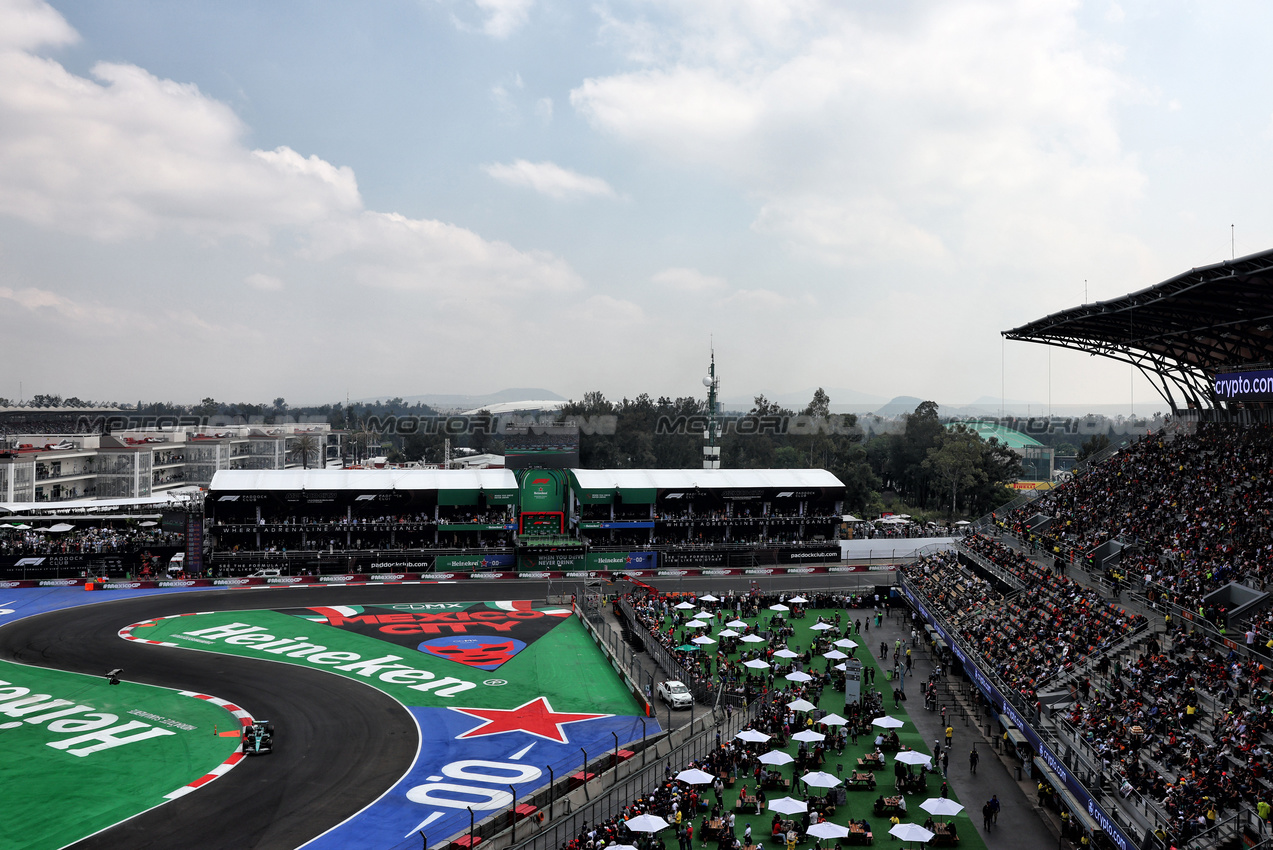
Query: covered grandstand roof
{"points": [[1010, 437], [703, 479], [364, 479], [1181, 332]]}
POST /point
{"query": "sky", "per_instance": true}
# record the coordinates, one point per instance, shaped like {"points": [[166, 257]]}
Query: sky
{"points": [[316, 200]]}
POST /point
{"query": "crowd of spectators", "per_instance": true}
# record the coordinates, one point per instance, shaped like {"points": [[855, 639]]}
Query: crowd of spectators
{"points": [[1185, 726], [86, 540], [1199, 509]]}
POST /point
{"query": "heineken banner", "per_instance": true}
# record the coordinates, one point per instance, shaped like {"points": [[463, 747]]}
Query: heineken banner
{"points": [[621, 560], [475, 562]]}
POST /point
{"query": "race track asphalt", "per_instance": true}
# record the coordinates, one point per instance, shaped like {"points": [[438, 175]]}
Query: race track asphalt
{"points": [[340, 744]]}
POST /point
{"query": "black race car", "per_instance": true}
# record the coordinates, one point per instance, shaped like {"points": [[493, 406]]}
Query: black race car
{"points": [[258, 738]]}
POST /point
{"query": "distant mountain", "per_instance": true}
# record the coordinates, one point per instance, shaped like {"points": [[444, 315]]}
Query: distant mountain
{"points": [[901, 404], [445, 402]]}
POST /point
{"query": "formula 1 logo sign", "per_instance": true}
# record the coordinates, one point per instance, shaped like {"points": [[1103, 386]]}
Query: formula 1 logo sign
{"points": [[484, 635]]}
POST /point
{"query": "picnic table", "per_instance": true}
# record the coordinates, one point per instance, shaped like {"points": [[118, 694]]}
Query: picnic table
{"points": [[861, 779], [871, 761], [858, 834]]}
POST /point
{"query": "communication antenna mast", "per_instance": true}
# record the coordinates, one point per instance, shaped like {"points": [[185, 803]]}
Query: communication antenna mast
{"points": [[711, 451]]}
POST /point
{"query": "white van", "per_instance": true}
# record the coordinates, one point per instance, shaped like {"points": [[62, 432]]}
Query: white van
{"points": [[177, 564], [266, 574]]}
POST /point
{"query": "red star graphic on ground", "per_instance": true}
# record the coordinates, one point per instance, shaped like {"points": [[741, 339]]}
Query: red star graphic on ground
{"points": [[535, 717]]}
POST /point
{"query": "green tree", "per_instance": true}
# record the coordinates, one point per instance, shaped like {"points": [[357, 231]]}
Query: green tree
{"points": [[1093, 445], [956, 462]]}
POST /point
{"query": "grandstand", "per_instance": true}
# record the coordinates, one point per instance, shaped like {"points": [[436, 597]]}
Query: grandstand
{"points": [[1119, 626], [533, 519]]}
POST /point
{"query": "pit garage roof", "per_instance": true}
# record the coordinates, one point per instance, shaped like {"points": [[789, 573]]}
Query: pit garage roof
{"points": [[640, 486], [1181, 332], [246, 480]]}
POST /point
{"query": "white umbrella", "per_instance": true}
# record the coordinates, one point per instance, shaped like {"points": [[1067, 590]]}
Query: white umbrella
{"points": [[911, 832], [685, 606], [833, 720], [801, 705], [779, 607], [912, 757], [22, 526], [799, 676], [621, 847], [841, 668], [752, 639], [148, 523], [834, 655], [702, 640], [821, 627], [786, 653], [708, 598], [704, 615], [752, 736], [736, 624], [799, 600], [820, 779], [845, 643], [826, 829], [887, 722], [60, 527], [646, 823], [809, 736], [695, 624], [941, 807], [757, 664], [694, 776], [776, 757], [727, 633], [787, 806]]}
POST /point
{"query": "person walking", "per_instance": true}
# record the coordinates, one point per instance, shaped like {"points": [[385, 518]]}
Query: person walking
{"points": [[986, 815], [973, 758], [945, 762]]}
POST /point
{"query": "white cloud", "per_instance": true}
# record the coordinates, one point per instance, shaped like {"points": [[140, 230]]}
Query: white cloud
{"points": [[868, 134], [391, 251], [131, 155], [603, 314], [264, 282], [544, 110], [689, 280], [550, 179], [503, 17], [31, 24]]}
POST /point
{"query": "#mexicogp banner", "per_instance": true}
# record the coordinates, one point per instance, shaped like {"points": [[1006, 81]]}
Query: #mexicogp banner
{"points": [[500, 690]]}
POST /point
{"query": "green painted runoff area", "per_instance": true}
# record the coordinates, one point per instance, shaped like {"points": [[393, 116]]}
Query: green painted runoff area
{"points": [[81, 754], [859, 801], [563, 665]]}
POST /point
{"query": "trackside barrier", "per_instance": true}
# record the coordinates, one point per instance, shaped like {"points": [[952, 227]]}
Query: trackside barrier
{"points": [[392, 578], [615, 652]]}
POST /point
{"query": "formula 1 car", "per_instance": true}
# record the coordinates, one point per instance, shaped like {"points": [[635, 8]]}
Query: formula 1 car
{"points": [[258, 738]]}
